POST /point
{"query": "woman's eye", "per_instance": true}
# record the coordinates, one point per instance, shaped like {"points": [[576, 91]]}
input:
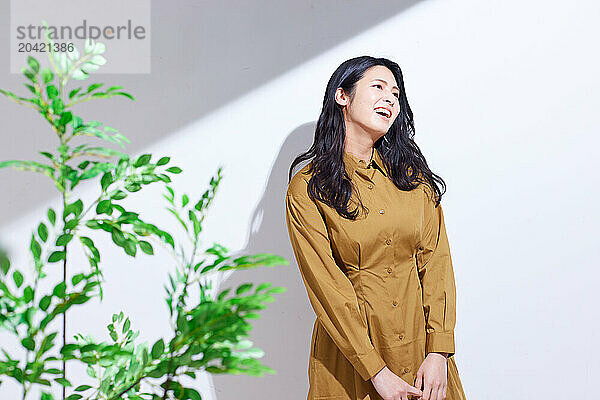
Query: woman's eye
{"points": [[397, 95], [379, 86]]}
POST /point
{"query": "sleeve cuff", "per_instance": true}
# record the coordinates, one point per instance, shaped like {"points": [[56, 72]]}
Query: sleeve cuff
{"points": [[440, 342], [369, 364]]}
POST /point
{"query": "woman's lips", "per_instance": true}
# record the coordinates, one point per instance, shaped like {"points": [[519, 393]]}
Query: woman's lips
{"points": [[382, 117]]}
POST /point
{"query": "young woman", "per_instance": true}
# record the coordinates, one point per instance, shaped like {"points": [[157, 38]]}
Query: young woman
{"points": [[367, 230]]}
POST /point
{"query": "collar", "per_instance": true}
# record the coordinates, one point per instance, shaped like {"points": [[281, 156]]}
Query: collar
{"points": [[354, 163]]}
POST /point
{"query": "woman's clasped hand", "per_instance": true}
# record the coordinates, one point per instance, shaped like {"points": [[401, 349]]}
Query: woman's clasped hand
{"points": [[430, 383]]}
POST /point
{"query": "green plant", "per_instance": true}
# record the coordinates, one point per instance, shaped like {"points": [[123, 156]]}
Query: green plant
{"points": [[208, 332]]}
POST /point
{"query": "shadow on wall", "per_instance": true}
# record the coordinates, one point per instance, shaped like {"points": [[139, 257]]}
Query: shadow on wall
{"points": [[284, 329], [197, 67]]}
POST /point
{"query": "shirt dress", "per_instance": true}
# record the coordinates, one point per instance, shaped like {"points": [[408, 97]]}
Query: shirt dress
{"points": [[382, 286]]}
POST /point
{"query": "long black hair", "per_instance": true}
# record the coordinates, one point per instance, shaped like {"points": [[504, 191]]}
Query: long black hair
{"points": [[402, 157]]}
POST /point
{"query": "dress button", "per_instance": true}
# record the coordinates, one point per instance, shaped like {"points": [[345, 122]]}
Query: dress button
{"points": [[406, 369], [388, 241], [389, 270], [420, 247], [394, 303], [381, 211], [400, 336], [370, 186]]}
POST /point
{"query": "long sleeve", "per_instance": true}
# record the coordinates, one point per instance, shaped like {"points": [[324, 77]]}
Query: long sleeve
{"points": [[330, 291], [437, 279]]}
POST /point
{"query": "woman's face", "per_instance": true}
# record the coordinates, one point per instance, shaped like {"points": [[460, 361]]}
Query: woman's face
{"points": [[375, 104]]}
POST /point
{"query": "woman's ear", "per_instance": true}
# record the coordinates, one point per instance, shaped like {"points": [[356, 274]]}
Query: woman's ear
{"points": [[341, 98]]}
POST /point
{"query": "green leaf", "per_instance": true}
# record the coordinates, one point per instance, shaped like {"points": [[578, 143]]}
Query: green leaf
{"points": [[27, 294], [45, 302], [63, 381], [277, 290], [142, 160], [33, 64], [56, 256], [28, 343], [65, 118], [163, 161], [82, 388], [157, 349], [191, 394], [52, 92], [94, 86], [72, 223], [73, 92], [58, 106], [263, 286], [119, 195], [90, 371], [59, 290], [126, 325], [243, 288], [130, 247], [47, 75], [18, 278], [74, 396], [63, 239], [31, 88], [75, 279], [146, 247], [133, 187], [174, 170], [51, 216], [42, 232], [118, 237], [4, 263], [125, 94], [74, 208], [35, 248], [106, 180], [93, 224], [103, 207]]}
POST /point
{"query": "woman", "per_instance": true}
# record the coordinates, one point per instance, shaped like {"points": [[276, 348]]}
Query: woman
{"points": [[367, 229]]}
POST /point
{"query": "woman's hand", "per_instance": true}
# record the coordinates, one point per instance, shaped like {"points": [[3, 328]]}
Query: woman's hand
{"points": [[391, 387], [433, 371]]}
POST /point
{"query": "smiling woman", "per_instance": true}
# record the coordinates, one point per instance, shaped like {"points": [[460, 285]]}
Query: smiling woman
{"points": [[367, 229]]}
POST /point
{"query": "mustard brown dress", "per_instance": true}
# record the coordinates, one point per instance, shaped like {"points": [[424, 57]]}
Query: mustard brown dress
{"points": [[382, 286]]}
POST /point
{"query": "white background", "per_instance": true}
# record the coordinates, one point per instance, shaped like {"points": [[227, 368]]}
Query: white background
{"points": [[505, 98]]}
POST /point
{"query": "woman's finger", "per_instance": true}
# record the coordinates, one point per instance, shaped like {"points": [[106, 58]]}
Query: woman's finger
{"points": [[419, 380], [441, 395], [427, 391]]}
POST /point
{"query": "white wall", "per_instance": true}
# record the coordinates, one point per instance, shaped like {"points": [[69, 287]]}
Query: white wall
{"points": [[504, 95]]}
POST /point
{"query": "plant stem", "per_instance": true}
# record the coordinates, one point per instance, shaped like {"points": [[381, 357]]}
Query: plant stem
{"points": [[64, 327], [64, 335], [168, 383], [122, 392]]}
